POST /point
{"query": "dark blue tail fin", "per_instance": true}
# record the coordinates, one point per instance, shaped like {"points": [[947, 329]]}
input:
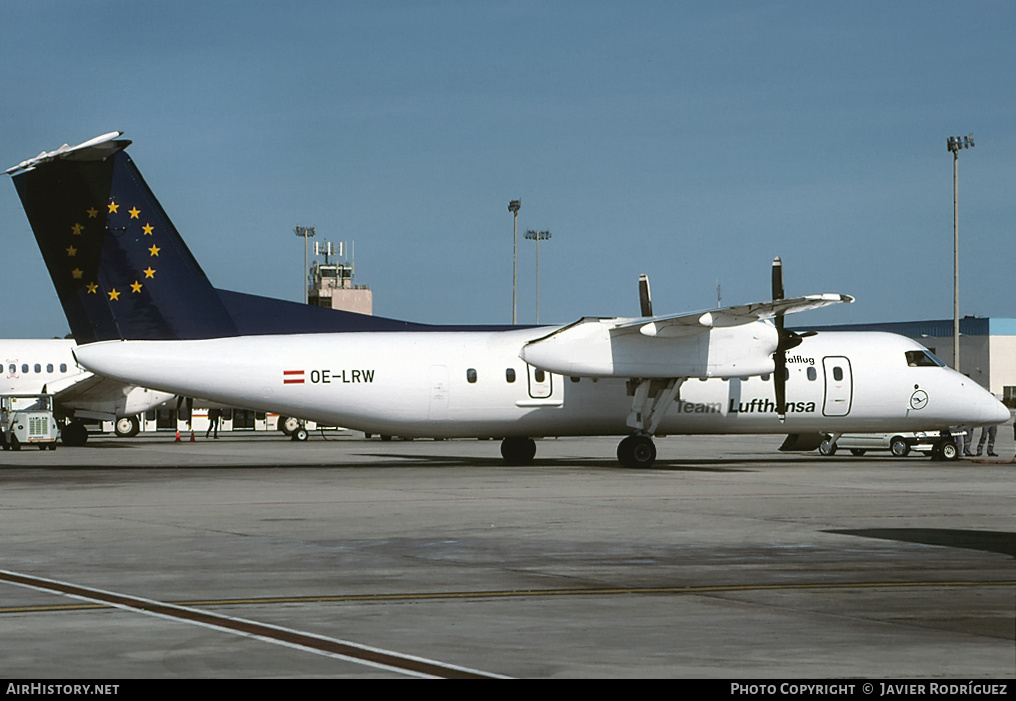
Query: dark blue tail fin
{"points": [[120, 267]]}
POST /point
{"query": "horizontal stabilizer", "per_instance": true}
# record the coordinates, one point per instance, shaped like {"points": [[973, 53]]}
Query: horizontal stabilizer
{"points": [[97, 149]]}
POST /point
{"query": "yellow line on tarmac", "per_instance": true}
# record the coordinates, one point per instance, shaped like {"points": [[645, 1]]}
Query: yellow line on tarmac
{"points": [[532, 593]]}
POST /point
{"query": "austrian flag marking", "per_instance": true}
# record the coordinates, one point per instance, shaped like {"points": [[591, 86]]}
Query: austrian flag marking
{"points": [[292, 377]]}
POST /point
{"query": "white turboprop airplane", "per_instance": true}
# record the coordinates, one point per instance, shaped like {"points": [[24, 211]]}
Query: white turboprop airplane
{"points": [[47, 366], [143, 312]]}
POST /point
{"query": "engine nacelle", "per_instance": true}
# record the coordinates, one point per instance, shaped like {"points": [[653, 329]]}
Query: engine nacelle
{"points": [[605, 348]]}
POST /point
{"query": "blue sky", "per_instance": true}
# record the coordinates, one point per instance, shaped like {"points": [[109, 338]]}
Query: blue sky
{"points": [[690, 141]]}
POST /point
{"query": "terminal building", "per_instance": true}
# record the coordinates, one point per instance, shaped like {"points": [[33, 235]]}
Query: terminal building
{"points": [[987, 347]]}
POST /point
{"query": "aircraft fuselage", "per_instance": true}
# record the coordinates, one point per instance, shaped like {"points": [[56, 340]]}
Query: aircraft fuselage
{"points": [[474, 384]]}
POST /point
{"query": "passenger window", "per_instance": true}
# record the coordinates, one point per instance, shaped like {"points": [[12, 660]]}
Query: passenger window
{"points": [[575, 379], [24, 368], [13, 369], [38, 368], [812, 374], [49, 367], [765, 377], [471, 375], [63, 367], [838, 373], [509, 374], [539, 375]]}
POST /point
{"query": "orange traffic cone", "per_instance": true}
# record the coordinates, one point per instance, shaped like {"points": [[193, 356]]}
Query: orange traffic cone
{"points": [[177, 436]]}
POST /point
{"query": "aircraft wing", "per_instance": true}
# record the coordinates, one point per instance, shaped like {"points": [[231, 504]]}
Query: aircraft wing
{"points": [[726, 342], [84, 386], [92, 396], [698, 322]]}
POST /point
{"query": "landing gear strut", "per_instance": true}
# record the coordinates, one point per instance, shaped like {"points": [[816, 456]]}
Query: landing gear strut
{"points": [[650, 401]]}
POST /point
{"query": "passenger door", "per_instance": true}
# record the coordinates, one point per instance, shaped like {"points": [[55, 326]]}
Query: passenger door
{"points": [[541, 383], [438, 409], [838, 386]]}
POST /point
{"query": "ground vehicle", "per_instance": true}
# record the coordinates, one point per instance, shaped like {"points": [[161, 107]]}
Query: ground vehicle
{"points": [[937, 444], [27, 419]]}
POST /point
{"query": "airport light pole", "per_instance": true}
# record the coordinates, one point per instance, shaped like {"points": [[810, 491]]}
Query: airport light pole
{"points": [[955, 144], [537, 236], [304, 232], [514, 207]]}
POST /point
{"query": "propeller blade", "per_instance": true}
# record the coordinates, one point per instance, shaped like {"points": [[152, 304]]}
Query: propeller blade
{"points": [[787, 339], [645, 302], [777, 278], [780, 384]]}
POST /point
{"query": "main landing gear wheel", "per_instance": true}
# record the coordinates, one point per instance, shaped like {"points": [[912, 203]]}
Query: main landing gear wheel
{"points": [[636, 451], [127, 426], [518, 451]]}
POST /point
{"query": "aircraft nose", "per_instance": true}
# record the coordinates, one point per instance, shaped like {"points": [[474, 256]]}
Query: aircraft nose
{"points": [[999, 413], [990, 411]]}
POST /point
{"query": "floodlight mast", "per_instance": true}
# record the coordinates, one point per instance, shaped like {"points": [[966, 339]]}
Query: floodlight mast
{"points": [[514, 207], [537, 236], [955, 144], [305, 232]]}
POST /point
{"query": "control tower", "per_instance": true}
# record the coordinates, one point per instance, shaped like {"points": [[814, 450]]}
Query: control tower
{"points": [[330, 281]]}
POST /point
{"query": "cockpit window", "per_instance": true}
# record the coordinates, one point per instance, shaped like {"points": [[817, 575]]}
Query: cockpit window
{"points": [[923, 359]]}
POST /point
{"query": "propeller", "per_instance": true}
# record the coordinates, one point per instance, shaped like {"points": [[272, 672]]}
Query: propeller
{"points": [[787, 340], [645, 302]]}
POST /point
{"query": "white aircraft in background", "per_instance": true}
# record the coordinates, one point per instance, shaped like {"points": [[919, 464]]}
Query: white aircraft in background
{"points": [[47, 366], [143, 312]]}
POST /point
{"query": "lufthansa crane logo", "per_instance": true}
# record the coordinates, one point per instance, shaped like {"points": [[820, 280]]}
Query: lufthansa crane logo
{"points": [[919, 399]]}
